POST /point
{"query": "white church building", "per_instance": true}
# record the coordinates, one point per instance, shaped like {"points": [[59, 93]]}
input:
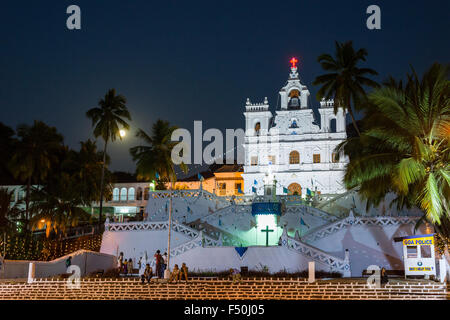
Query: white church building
{"points": [[289, 150]]}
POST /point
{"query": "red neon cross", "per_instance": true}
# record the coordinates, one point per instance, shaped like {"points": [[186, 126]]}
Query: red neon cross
{"points": [[293, 61]]}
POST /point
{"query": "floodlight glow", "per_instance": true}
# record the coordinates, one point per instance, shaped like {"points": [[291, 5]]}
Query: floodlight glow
{"points": [[267, 231]]}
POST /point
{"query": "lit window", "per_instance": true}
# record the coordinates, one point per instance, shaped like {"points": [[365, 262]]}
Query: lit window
{"points": [[131, 194], [116, 194], [254, 161], [294, 157], [316, 158], [123, 194]]}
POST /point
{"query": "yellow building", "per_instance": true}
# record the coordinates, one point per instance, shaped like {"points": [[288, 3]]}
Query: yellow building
{"points": [[229, 180], [225, 181]]}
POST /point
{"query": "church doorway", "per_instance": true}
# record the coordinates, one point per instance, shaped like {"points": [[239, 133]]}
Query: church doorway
{"points": [[295, 189]]}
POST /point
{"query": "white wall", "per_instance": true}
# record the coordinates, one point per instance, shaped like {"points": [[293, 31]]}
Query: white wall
{"points": [[223, 258], [88, 261], [133, 244]]}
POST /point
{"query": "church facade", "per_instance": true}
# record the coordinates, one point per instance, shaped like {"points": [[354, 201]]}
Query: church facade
{"points": [[288, 152]]}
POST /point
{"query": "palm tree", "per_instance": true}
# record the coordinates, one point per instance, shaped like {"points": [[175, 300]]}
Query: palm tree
{"points": [[8, 211], [107, 119], [345, 84], [85, 168], [57, 207], [35, 153], [8, 142], [405, 145], [155, 158]]}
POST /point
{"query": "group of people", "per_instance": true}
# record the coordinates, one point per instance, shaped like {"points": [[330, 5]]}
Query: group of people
{"points": [[160, 266], [125, 266]]}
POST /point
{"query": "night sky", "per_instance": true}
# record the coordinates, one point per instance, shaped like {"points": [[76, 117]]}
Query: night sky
{"points": [[189, 60]]}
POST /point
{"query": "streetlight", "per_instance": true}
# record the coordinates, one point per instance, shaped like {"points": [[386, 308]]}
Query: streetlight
{"points": [[122, 133]]}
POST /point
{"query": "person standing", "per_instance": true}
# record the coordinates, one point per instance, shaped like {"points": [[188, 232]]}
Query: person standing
{"points": [[164, 265], [130, 266], [125, 267], [120, 262], [159, 262]]}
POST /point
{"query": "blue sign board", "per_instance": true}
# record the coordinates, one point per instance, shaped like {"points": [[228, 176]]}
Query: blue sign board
{"points": [[266, 208]]}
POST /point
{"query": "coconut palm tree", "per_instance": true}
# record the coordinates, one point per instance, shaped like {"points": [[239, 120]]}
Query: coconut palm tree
{"points": [[108, 119], [405, 144], [35, 153], [8, 142], [7, 211], [346, 80], [57, 207], [154, 161], [85, 168]]}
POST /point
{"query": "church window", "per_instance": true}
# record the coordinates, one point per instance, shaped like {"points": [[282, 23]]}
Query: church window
{"points": [[123, 194], [254, 161], [257, 128], [316, 158], [294, 157], [116, 194], [271, 159], [131, 194], [334, 158], [333, 125]]}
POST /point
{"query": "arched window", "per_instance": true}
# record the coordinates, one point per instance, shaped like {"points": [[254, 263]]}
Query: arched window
{"points": [[257, 128], [123, 194], [294, 157], [146, 193], [116, 194], [139, 194], [131, 194], [333, 125]]}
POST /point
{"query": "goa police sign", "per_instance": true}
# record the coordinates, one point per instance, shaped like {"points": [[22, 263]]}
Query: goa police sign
{"points": [[419, 240]]}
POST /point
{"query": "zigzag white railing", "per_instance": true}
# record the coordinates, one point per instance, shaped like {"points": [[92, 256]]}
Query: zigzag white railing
{"points": [[136, 226], [335, 263], [159, 226], [329, 229]]}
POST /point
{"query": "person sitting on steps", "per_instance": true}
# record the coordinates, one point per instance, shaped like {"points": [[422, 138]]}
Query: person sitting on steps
{"points": [[184, 272], [148, 274], [175, 274]]}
